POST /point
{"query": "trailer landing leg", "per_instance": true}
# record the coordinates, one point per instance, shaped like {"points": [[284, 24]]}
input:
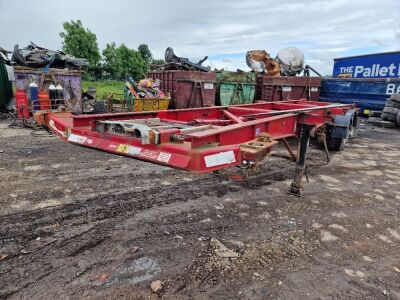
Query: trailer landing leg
{"points": [[295, 187]]}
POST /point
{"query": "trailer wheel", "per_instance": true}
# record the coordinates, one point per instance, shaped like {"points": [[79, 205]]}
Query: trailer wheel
{"points": [[353, 127], [336, 144], [343, 129]]}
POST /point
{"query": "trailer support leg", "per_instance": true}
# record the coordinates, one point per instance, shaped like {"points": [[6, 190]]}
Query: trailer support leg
{"points": [[295, 187], [293, 156]]}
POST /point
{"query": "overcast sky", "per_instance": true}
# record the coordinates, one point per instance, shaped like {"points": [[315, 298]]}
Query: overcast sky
{"points": [[223, 30]]}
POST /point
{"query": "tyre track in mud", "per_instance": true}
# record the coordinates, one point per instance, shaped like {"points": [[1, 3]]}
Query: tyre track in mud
{"points": [[97, 235], [104, 207], [81, 226], [17, 230]]}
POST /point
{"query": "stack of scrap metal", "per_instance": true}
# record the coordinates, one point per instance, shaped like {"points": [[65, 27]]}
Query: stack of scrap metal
{"points": [[145, 95], [34, 56], [289, 61], [181, 63], [146, 88]]}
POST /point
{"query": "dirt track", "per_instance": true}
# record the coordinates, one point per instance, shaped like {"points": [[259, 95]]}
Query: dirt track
{"points": [[78, 223]]}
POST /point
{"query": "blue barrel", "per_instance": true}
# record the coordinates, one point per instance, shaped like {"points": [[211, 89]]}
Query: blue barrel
{"points": [[366, 93]]}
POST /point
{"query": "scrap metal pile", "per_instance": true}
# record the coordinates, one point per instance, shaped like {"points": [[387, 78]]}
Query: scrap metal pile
{"points": [[146, 88], [181, 63], [34, 56], [288, 62]]}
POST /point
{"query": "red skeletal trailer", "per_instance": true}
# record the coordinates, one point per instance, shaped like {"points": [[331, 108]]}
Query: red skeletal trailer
{"points": [[202, 140]]}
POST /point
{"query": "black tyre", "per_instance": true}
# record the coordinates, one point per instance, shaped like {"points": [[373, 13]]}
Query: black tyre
{"points": [[99, 108], [389, 117], [391, 103], [375, 114], [395, 97], [336, 144], [398, 119], [353, 127], [380, 123], [391, 110]]}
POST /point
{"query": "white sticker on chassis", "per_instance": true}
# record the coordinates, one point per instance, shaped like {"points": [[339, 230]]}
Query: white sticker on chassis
{"points": [[218, 159], [134, 150], [74, 138], [164, 157]]}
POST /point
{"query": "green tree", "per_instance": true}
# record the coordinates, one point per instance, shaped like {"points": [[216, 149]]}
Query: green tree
{"points": [[80, 42], [110, 66], [145, 53], [120, 62], [156, 64]]}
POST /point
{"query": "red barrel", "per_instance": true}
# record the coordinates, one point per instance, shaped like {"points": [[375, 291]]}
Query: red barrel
{"points": [[21, 104], [44, 100]]}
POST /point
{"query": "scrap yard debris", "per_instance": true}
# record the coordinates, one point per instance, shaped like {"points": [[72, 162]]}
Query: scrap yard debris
{"points": [[34, 56], [221, 250], [146, 88], [181, 63]]}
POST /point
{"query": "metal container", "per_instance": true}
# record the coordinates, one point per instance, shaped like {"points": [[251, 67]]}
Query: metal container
{"points": [[378, 65], [6, 91], [370, 94], [150, 104], [70, 80], [235, 88], [187, 88], [287, 88]]}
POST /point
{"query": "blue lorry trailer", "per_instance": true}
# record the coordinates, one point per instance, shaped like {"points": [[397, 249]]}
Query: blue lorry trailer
{"points": [[379, 65], [368, 94], [367, 80]]}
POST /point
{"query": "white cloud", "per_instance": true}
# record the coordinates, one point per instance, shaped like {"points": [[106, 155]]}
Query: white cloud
{"points": [[322, 29]]}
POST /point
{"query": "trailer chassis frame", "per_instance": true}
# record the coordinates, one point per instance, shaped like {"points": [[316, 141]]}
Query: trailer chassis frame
{"points": [[204, 140]]}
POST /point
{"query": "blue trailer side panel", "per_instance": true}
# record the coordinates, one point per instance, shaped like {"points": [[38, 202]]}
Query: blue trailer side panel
{"points": [[380, 65], [370, 94]]}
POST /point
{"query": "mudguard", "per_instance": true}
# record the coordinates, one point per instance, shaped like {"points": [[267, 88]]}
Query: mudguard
{"points": [[344, 122]]}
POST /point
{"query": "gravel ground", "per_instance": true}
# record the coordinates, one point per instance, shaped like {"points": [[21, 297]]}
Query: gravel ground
{"points": [[79, 223]]}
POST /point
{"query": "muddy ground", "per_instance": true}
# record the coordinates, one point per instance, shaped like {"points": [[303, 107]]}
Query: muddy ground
{"points": [[79, 223]]}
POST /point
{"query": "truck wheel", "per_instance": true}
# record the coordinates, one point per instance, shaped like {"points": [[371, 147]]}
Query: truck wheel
{"points": [[336, 144], [398, 119]]}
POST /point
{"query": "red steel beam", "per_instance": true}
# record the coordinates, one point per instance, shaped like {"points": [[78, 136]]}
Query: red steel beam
{"points": [[202, 151]]}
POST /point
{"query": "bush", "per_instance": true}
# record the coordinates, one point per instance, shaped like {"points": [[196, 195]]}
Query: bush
{"points": [[105, 87]]}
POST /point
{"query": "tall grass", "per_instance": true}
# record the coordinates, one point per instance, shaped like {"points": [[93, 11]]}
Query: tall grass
{"points": [[105, 87]]}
